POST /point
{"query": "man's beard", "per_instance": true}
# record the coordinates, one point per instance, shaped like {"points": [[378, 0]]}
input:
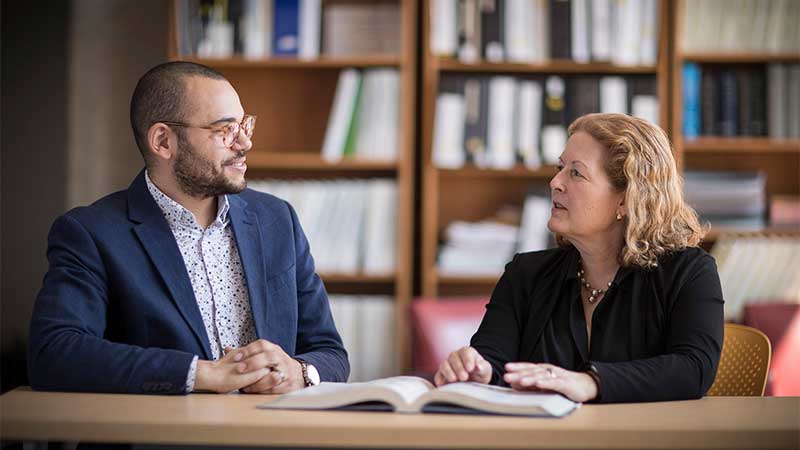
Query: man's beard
{"points": [[199, 177]]}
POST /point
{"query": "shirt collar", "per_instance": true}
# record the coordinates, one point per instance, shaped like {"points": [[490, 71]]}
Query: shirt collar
{"points": [[177, 215]]}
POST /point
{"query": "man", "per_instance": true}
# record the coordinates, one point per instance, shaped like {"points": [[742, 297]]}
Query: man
{"points": [[187, 281]]}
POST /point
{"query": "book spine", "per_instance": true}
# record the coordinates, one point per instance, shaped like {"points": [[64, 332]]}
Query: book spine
{"points": [[793, 107], [691, 100], [581, 51], [601, 30], [729, 103], [586, 94], [444, 28], [709, 97], [560, 29], [758, 101], [476, 97], [746, 111], [492, 30], [287, 15], [310, 23]]}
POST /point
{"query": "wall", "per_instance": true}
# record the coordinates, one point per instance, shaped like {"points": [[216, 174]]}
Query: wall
{"points": [[68, 70]]}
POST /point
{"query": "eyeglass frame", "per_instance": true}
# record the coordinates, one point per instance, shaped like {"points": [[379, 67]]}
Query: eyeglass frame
{"points": [[221, 128]]}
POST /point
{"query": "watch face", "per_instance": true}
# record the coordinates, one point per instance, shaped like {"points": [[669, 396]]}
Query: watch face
{"points": [[313, 375]]}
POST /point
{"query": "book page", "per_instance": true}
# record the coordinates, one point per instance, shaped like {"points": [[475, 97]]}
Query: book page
{"points": [[409, 388], [499, 400], [399, 392]]}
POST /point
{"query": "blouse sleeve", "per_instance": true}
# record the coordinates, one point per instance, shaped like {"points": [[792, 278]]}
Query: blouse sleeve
{"points": [[687, 368], [497, 338]]}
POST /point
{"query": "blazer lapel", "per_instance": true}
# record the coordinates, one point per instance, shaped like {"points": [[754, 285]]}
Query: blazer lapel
{"points": [[246, 230], [159, 243]]}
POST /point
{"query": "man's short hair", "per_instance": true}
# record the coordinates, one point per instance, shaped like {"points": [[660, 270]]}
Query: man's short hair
{"points": [[161, 95]]}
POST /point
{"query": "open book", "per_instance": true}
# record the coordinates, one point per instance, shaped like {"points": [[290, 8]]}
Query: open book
{"points": [[414, 395]]}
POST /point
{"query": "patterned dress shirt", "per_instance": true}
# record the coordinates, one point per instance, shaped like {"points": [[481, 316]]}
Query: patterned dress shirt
{"points": [[215, 271]]}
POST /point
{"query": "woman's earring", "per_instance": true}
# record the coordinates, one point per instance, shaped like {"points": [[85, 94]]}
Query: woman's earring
{"points": [[619, 216]]}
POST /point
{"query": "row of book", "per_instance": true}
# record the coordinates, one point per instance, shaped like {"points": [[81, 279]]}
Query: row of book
{"points": [[364, 118], [350, 224], [755, 26], [759, 100], [259, 29], [734, 199], [367, 327], [499, 121], [757, 269], [624, 32], [483, 248]]}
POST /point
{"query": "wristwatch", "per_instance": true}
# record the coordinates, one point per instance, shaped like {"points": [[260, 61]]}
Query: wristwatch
{"points": [[310, 373]]}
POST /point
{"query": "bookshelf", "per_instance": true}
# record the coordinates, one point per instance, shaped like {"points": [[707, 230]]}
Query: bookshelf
{"points": [[777, 158], [470, 193], [292, 98]]}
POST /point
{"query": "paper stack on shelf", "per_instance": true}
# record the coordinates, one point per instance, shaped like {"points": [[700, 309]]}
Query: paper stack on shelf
{"points": [[477, 248], [727, 199]]}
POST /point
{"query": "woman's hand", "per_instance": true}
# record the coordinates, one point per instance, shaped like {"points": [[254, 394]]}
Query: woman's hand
{"points": [[464, 364], [576, 386]]}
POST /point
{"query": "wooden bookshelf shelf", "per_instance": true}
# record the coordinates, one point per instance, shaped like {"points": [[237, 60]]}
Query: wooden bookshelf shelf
{"points": [[313, 161], [715, 232], [740, 58], [359, 284], [482, 280], [445, 64], [293, 63], [359, 278], [516, 172], [743, 144]]}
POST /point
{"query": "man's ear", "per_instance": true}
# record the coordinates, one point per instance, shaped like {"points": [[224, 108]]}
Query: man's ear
{"points": [[161, 142]]}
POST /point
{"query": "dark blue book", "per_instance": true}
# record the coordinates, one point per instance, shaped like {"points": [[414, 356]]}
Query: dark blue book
{"points": [[729, 103], [691, 100], [709, 102], [287, 26]]}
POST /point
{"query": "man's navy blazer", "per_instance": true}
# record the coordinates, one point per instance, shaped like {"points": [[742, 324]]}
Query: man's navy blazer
{"points": [[117, 313]]}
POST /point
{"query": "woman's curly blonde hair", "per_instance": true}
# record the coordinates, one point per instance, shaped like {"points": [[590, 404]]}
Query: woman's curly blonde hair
{"points": [[640, 163]]}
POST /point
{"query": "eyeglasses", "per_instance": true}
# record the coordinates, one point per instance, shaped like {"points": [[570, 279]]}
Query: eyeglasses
{"points": [[229, 131]]}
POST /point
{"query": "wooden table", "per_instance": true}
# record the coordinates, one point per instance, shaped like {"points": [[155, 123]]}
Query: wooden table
{"points": [[208, 419]]}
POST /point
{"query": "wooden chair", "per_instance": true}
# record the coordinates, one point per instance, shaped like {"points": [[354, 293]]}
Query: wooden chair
{"points": [[744, 363]]}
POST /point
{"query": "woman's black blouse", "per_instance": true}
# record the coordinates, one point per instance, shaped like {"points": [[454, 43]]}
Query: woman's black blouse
{"points": [[656, 335]]}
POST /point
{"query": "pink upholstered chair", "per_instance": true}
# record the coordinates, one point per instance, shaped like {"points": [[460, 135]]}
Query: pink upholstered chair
{"points": [[441, 326], [781, 323]]}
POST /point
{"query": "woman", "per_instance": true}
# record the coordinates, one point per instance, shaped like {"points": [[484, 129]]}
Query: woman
{"points": [[627, 309]]}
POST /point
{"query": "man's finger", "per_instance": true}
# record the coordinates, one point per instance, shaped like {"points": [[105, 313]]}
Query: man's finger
{"points": [[256, 347], [267, 382], [260, 360]]}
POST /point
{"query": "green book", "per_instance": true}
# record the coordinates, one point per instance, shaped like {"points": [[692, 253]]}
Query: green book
{"points": [[352, 131]]}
